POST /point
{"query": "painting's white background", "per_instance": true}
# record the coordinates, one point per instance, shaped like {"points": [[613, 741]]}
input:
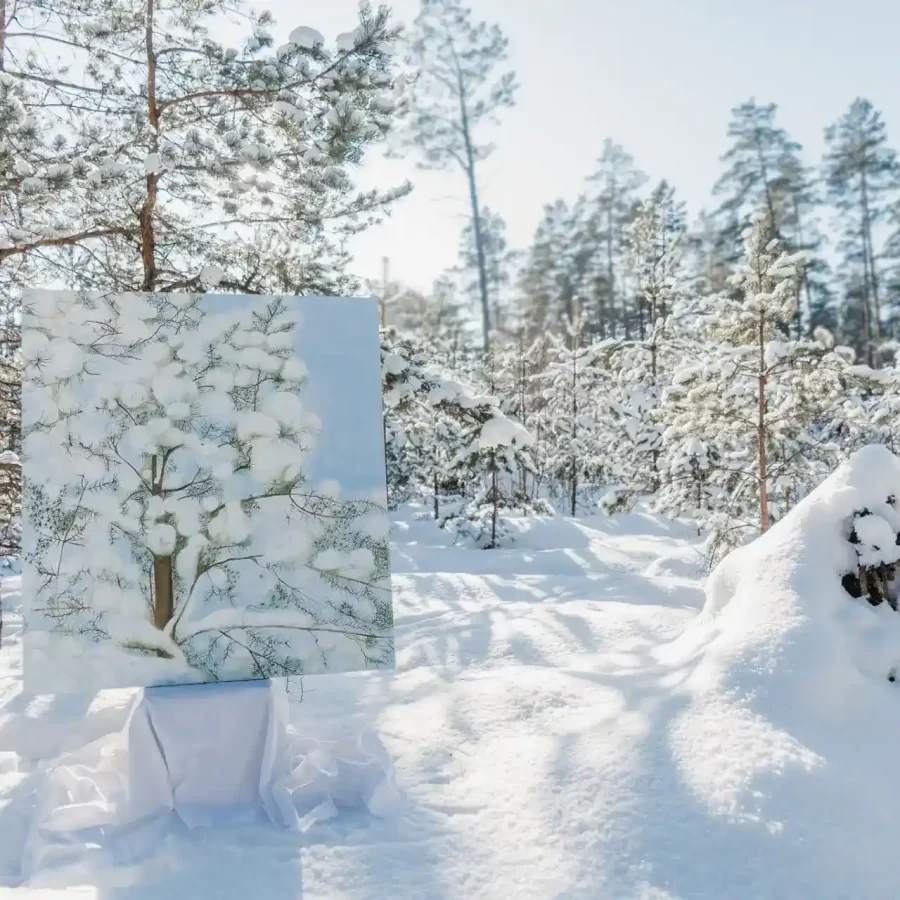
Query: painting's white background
{"points": [[338, 341]]}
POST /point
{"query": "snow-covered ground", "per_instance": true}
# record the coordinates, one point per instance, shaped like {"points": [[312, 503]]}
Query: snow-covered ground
{"points": [[560, 728]]}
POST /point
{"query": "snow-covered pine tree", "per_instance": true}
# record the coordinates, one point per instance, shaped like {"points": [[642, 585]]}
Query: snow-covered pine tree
{"points": [[630, 377], [655, 250], [468, 442], [403, 365], [871, 414], [568, 420], [634, 372], [747, 411], [172, 162], [519, 363]]}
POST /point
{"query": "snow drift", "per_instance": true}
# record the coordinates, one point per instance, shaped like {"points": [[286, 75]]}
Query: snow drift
{"points": [[791, 719]]}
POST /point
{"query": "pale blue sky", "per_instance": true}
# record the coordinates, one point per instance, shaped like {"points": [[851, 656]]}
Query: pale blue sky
{"points": [[659, 76]]}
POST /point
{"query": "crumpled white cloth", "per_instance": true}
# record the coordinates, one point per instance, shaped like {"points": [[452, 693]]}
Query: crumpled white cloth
{"points": [[204, 756]]}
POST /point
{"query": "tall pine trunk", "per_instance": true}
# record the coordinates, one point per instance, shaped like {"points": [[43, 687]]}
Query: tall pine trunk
{"points": [[871, 277], [476, 216], [148, 209], [654, 374], [574, 497], [163, 569], [763, 473], [494, 503]]}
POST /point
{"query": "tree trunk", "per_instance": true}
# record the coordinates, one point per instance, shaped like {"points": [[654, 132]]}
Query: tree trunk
{"points": [[763, 474], [574, 497], [148, 209], [494, 505], [872, 311], [163, 591], [611, 278], [476, 216], [763, 171], [2, 32], [163, 575], [437, 508]]}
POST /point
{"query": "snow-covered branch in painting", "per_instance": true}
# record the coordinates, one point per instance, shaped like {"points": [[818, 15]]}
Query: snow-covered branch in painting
{"points": [[170, 512]]}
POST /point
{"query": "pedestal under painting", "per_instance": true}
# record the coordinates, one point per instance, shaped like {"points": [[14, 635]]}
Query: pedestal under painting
{"points": [[204, 494]]}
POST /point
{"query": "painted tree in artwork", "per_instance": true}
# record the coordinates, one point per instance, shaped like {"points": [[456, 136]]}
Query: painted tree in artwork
{"points": [[181, 489]]}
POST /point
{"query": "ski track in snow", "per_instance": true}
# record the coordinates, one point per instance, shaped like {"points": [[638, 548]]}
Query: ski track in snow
{"points": [[528, 720]]}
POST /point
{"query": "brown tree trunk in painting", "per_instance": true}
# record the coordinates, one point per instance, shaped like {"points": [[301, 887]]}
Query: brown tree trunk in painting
{"points": [[163, 591], [163, 578]]}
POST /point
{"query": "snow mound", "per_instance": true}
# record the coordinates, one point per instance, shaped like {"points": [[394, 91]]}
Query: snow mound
{"points": [[790, 715], [780, 601]]}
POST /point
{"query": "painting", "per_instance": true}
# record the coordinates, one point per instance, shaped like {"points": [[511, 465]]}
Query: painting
{"points": [[203, 489]]}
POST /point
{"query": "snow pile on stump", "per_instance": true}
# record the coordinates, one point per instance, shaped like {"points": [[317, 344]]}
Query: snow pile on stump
{"points": [[790, 721]]}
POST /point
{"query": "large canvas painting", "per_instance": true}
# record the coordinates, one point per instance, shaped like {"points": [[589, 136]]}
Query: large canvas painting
{"points": [[204, 489]]}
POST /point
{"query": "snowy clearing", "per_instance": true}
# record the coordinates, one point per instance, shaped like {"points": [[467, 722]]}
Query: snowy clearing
{"points": [[562, 724]]}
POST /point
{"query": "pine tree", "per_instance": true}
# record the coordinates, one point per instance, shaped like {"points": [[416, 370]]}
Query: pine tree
{"points": [[173, 162], [862, 173], [614, 204], [760, 162], [456, 94], [572, 455], [654, 245], [765, 172], [498, 261], [747, 411], [546, 286], [464, 439]]}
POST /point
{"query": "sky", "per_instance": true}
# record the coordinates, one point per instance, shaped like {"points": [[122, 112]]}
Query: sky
{"points": [[658, 76]]}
